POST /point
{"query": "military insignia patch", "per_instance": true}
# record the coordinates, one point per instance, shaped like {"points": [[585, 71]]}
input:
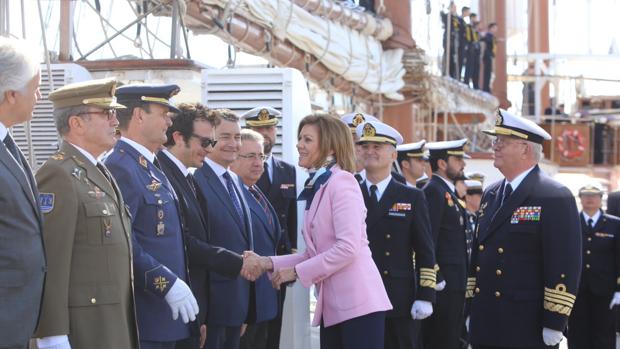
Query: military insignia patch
{"points": [[449, 199], [58, 156], [358, 119], [142, 161], [369, 130], [154, 186], [482, 208], [160, 283], [77, 173], [46, 202], [526, 214], [96, 193], [287, 186], [603, 235], [263, 115], [161, 228], [401, 206]]}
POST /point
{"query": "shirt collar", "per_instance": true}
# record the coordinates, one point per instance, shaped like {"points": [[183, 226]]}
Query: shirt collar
{"points": [[411, 184], [362, 174], [177, 162], [217, 168], [518, 179], [86, 154], [594, 218], [380, 186], [3, 131], [449, 183], [140, 148]]}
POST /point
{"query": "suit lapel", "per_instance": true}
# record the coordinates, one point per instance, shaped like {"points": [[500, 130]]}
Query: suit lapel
{"points": [[257, 209], [599, 224], [21, 176], [515, 199], [222, 194]]}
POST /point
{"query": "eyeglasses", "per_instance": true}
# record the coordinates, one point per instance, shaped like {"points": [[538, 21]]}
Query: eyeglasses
{"points": [[504, 141], [108, 113], [205, 142], [254, 156]]}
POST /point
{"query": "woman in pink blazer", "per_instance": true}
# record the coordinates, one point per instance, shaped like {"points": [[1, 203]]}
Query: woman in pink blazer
{"points": [[351, 299]]}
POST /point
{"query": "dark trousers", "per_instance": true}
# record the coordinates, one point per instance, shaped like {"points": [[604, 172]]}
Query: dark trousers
{"points": [[486, 77], [494, 347], [463, 58], [274, 326], [400, 333], [362, 332], [157, 345], [472, 69], [591, 323], [255, 336], [442, 330], [223, 337], [189, 343]]}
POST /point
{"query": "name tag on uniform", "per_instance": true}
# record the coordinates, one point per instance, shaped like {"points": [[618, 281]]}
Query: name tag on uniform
{"points": [[603, 235], [526, 214], [286, 186]]}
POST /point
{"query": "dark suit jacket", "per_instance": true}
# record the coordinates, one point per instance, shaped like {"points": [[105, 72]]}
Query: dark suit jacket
{"points": [[601, 256], [526, 263], [203, 257], [228, 298], [448, 228], [22, 257], [396, 230], [266, 237], [282, 195], [613, 204]]}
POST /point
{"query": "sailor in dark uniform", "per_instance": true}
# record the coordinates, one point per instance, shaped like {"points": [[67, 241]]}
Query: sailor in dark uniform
{"points": [[410, 161], [527, 259], [353, 120], [398, 226], [443, 329], [591, 324]]}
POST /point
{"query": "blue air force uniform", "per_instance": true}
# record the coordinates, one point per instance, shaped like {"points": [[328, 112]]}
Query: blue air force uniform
{"points": [[157, 240], [591, 324], [398, 230], [527, 258]]}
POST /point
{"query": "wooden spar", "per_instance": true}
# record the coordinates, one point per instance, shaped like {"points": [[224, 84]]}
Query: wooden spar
{"points": [[257, 40]]}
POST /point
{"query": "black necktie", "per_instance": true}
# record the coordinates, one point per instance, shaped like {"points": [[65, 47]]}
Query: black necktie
{"points": [[264, 183], [232, 192], [191, 183], [12, 148], [590, 223], [104, 171], [373, 195], [358, 177], [156, 163], [507, 192]]}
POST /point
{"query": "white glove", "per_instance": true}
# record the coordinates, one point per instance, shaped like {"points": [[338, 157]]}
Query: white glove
{"points": [[552, 337], [615, 300], [420, 310], [440, 286], [54, 342], [467, 323], [182, 301]]}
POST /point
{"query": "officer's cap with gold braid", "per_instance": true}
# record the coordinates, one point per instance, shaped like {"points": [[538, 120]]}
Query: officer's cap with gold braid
{"points": [[158, 94], [378, 132], [96, 93], [473, 187], [476, 176], [440, 150], [261, 116], [591, 189], [507, 124], [355, 119], [411, 150]]}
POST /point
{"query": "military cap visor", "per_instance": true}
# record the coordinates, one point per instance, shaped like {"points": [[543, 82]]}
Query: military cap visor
{"points": [[261, 117], [158, 94], [378, 132], [355, 119], [412, 150], [590, 190], [507, 124], [447, 148], [96, 93]]}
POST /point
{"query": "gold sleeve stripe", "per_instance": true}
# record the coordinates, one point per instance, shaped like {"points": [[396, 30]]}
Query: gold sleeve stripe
{"points": [[428, 283], [557, 308], [560, 292], [559, 301], [618, 281], [436, 267]]}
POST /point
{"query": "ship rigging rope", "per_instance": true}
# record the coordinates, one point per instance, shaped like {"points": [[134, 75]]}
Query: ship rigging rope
{"points": [[377, 70]]}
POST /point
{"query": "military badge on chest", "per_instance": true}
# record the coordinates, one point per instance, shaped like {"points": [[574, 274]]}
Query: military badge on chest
{"points": [[482, 208], [449, 200], [399, 209], [526, 214]]}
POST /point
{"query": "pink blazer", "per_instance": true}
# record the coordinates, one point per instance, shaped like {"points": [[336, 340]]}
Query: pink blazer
{"points": [[337, 258]]}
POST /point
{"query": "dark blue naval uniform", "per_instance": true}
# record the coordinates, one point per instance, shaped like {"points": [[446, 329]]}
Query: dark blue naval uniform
{"points": [[442, 330], [158, 250], [525, 263], [591, 324], [397, 228]]}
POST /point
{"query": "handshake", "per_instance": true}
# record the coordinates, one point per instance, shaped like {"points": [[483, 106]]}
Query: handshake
{"points": [[254, 266]]}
